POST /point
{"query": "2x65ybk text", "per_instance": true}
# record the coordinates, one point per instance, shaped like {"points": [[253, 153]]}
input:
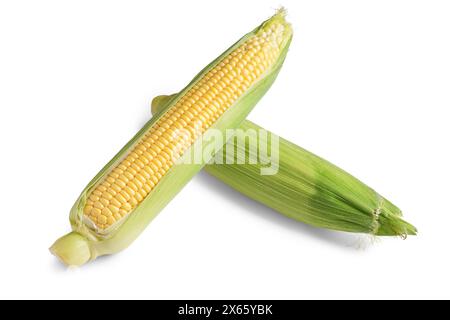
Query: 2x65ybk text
{"points": [[226, 309]]}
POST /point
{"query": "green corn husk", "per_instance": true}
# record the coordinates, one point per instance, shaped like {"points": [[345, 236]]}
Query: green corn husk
{"points": [[308, 188], [85, 243]]}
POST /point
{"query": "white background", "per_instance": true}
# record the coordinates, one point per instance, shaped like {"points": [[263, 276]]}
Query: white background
{"points": [[365, 85]]}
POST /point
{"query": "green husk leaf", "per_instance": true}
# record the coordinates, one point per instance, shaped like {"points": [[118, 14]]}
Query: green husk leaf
{"points": [[309, 189]]}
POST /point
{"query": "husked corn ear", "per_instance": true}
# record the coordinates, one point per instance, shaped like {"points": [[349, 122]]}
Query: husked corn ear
{"points": [[134, 178], [145, 175]]}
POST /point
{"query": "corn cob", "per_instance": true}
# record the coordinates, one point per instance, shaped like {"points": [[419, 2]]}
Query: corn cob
{"points": [[306, 187], [149, 171]]}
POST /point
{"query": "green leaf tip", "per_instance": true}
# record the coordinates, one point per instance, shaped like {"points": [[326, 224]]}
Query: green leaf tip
{"points": [[391, 225]]}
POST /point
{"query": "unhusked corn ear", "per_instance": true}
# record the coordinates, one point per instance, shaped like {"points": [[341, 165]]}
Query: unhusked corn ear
{"points": [[306, 187], [312, 190], [145, 175], [124, 188]]}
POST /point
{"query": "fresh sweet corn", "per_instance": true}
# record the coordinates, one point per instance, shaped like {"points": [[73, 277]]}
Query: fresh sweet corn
{"points": [[124, 188], [148, 172], [306, 187]]}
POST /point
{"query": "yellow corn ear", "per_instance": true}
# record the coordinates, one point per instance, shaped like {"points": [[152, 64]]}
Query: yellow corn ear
{"points": [[146, 174]]}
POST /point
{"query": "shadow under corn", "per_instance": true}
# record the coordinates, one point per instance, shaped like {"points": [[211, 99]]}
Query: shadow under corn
{"points": [[336, 238]]}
